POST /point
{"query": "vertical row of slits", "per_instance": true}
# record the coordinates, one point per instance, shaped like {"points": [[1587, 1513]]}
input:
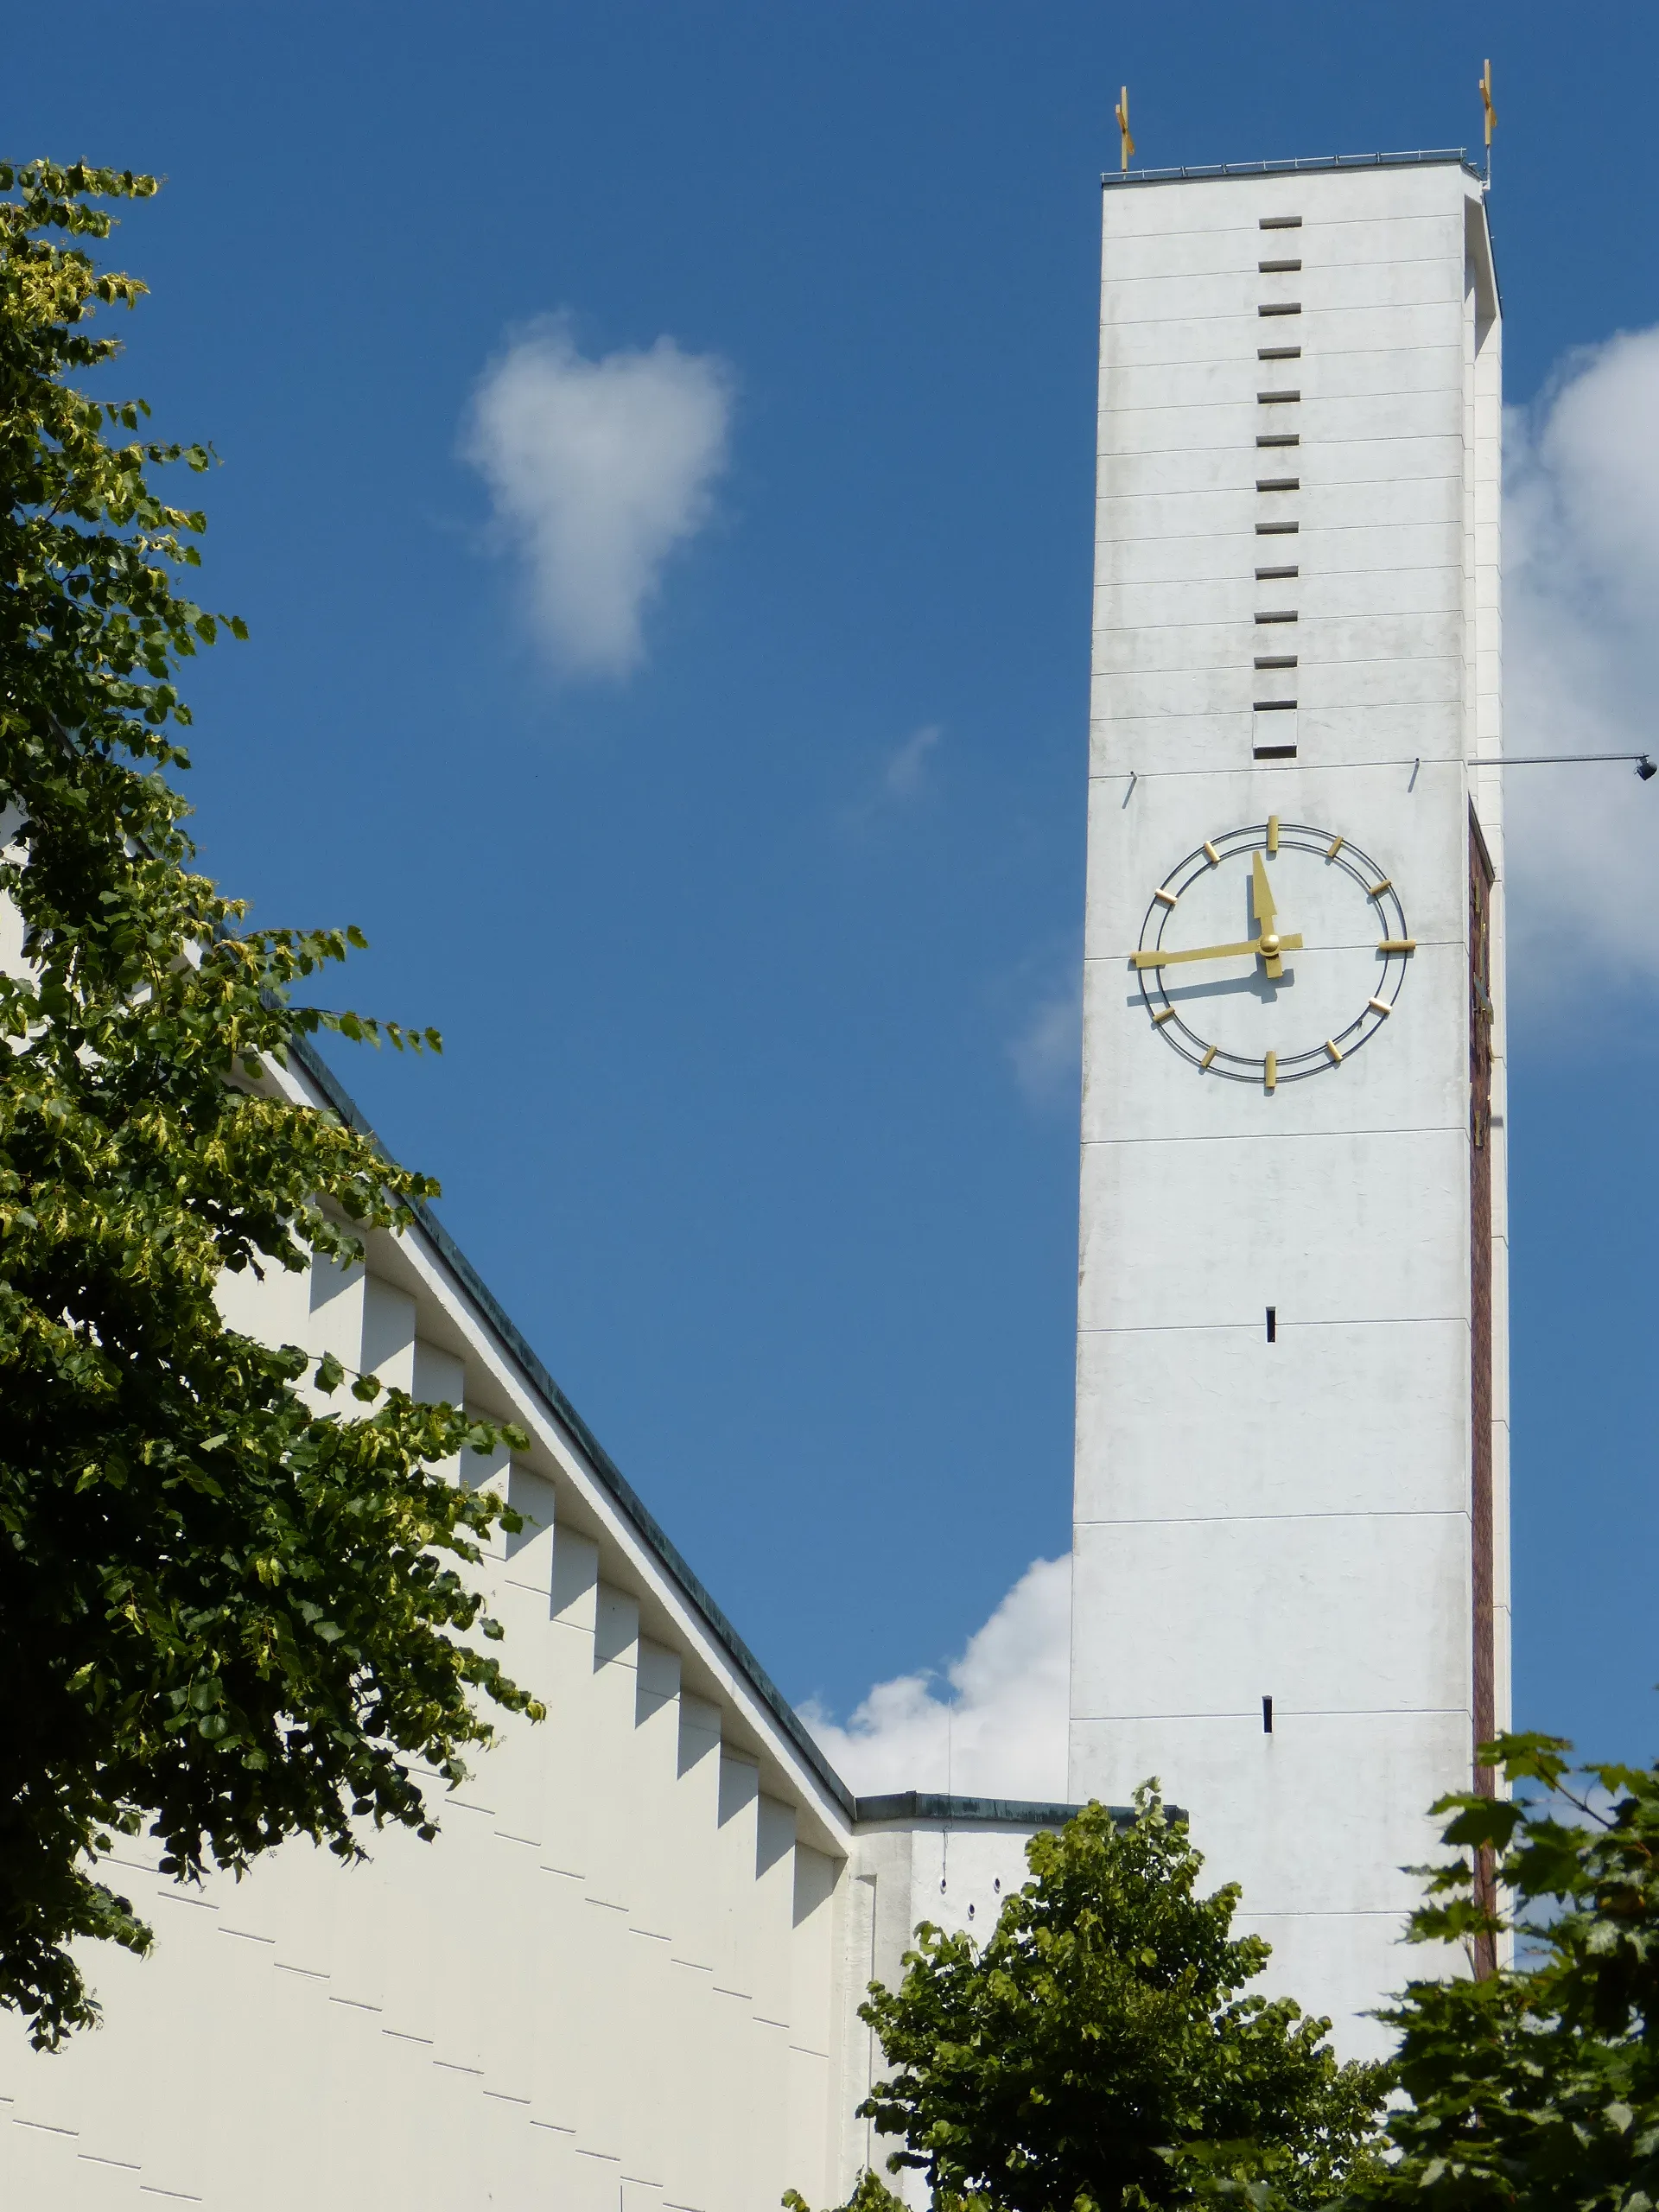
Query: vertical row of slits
{"points": [[1278, 480]]}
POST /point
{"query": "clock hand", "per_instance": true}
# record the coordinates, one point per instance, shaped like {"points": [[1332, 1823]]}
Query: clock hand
{"points": [[1266, 949], [1263, 908], [1262, 903]]}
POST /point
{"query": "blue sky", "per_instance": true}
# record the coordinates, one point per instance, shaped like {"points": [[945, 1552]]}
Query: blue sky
{"points": [[749, 904]]}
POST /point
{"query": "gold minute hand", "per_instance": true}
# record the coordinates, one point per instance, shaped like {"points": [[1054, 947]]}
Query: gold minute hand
{"points": [[1265, 948]]}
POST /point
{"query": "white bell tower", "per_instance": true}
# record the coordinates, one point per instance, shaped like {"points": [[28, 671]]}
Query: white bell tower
{"points": [[1291, 1566]]}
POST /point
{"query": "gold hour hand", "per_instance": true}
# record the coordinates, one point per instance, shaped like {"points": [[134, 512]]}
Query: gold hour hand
{"points": [[1267, 948], [1263, 908], [1262, 903]]}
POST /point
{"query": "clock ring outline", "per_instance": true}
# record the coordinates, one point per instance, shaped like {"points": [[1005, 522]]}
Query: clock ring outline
{"points": [[1299, 837]]}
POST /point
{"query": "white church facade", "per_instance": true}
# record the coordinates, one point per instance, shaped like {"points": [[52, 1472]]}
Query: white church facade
{"points": [[1290, 1564], [627, 1976]]}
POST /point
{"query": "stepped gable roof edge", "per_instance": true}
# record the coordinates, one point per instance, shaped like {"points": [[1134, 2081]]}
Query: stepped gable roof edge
{"points": [[634, 1507]]}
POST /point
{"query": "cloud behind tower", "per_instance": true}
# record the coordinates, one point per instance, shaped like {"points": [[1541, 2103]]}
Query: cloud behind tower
{"points": [[598, 470]]}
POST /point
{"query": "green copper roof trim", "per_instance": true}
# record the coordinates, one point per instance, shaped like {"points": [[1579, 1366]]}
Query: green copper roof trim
{"points": [[986, 1812], [1198, 172]]}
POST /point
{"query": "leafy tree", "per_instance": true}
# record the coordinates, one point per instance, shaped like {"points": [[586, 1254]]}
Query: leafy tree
{"points": [[1097, 2052], [224, 1609], [871, 2193], [1537, 2086]]}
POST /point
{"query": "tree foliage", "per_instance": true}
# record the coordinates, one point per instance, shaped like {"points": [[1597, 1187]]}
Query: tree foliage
{"points": [[870, 2194], [227, 1610], [1097, 2053], [1537, 2086]]}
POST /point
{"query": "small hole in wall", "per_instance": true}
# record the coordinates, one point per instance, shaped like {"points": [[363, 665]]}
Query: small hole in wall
{"points": [[996, 1885], [1272, 1325], [941, 1886], [970, 1912]]}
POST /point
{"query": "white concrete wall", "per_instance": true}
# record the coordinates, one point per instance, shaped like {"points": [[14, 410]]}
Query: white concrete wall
{"points": [[1291, 1519], [954, 1872], [625, 1976]]}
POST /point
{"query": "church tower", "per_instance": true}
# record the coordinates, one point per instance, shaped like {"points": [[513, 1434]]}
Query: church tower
{"points": [[1291, 1597]]}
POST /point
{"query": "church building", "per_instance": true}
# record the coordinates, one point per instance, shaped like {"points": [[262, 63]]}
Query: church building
{"points": [[626, 1975]]}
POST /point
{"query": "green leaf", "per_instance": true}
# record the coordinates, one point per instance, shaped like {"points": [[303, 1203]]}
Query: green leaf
{"points": [[211, 1645], [1095, 2045]]}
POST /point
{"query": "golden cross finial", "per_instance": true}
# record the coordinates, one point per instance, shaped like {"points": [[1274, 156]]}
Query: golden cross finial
{"points": [[1485, 90], [1121, 111]]}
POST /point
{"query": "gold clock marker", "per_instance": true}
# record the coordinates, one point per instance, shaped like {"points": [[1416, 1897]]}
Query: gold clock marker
{"points": [[1270, 1071], [1166, 898], [1273, 833], [1397, 945]]}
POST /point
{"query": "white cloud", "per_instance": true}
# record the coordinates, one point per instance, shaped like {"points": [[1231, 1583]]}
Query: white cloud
{"points": [[997, 1726], [905, 769], [1046, 1050], [598, 470], [903, 780], [1581, 651]]}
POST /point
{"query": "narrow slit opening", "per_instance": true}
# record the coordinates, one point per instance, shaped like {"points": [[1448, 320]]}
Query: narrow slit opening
{"points": [[1279, 223], [1274, 752], [1266, 1716], [1272, 1325]]}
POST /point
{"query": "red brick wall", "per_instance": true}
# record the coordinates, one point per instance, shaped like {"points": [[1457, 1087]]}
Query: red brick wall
{"points": [[1480, 1248]]}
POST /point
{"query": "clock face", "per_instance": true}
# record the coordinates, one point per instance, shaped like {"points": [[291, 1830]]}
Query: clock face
{"points": [[1272, 953]]}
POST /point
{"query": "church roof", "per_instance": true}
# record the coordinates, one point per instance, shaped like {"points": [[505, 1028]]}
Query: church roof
{"points": [[907, 1806], [511, 1339]]}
